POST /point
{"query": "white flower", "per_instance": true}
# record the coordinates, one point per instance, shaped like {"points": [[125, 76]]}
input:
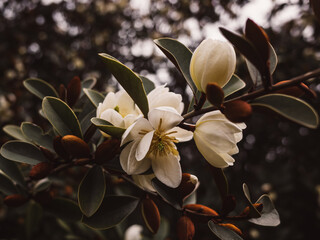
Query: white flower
{"points": [[134, 232], [212, 61], [151, 143], [118, 109], [144, 181], [216, 138]]}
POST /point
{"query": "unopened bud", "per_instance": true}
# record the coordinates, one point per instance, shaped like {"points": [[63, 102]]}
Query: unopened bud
{"points": [[231, 227], [215, 94], [201, 209], [188, 184], [237, 111], [150, 214], [296, 91], [185, 228], [75, 146], [107, 150], [59, 149], [73, 91], [44, 197], [15, 200], [41, 170]]}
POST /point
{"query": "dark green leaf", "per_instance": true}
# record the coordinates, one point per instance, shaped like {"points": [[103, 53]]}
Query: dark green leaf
{"points": [[6, 185], [91, 191], [129, 80], [65, 209], [222, 232], [179, 55], [269, 215], [61, 117], [86, 121], [289, 107], [35, 134], [107, 127], [40, 88], [113, 210], [254, 213], [15, 132], [22, 152], [94, 96], [11, 170], [147, 83], [170, 195], [33, 218], [89, 83], [235, 84]]}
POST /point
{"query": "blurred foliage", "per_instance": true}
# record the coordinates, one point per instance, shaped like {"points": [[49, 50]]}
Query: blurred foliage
{"points": [[57, 40]]}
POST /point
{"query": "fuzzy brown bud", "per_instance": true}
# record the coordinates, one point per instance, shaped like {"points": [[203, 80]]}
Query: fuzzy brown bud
{"points": [[150, 214], [73, 91], [237, 111], [107, 150], [41, 170], [15, 200], [59, 149], [231, 227], [296, 91], [188, 184], [75, 146], [201, 209], [215, 94], [185, 228]]}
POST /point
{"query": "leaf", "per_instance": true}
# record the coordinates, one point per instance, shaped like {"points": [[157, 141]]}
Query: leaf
{"points": [[85, 123], [33, 218], [129, 81], [221, 181], [35, 134], [269, 215], [289, 107], [170, 195], [22, 152], [6, 185], [40, 88], [91, 191], [254, 213], [235, 84], [113, 210], [65, 209], [147, 83], [73, 91], [94, 96], [61, 117], [15, 132], [222, 232], [107, 127], [11, 170], [88, 83], [42, 185], [179, 55]]}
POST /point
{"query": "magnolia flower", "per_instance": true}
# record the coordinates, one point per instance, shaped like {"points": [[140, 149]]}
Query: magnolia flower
{"points": [[151, 143], [212, 61], [216, 138], [134, 232], [119, 109]]}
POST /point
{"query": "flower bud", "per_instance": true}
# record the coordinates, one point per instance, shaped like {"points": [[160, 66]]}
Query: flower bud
{"points": [[237, 111], [201, 209], [150, 214], [212, 61], [231, 227], [185, 228], [296, 91], [215, 94], [15, 200], [107, 150], [41, 170], [75, 146]]}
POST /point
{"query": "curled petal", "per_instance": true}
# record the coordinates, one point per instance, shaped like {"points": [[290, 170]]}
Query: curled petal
{"points": [[134, 131], [167, 116], [113, 117], [108, 103], [144, 145], [181, 135]]}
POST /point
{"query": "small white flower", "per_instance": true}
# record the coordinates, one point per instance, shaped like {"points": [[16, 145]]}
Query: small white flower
{"points": [[213, 61], [119, 109], [134, 232], [216, 138], [151, 143]]}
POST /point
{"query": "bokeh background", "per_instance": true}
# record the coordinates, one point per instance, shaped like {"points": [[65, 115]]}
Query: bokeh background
{"points": [[56, 40]]}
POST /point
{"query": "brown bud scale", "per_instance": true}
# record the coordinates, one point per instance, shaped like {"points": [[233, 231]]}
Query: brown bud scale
{"points": [[75, 146], [201, 209], [15, 200], [151, 215], [237, 111], [185, 228], [41, 170], [231, 227]]}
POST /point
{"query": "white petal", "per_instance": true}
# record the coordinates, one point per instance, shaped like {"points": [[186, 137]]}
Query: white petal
{"points": [[168, 99], [182, 135], [144, 145], [129, 162], [170, 118], [133, 132], [126, 104], [167, 169], [129, 120], [144, 181], [113, 117]]}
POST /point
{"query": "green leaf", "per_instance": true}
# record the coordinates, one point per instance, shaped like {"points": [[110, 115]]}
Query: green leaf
{"points": [[107, 127], [129, 80], [167, 193], [269, 215], [235, 84], [6, 185], [179, 55], [88, 83], [33, 218], [22, 152], [289, 107], [147, 83], [42, 185], [61, 117], [11, 170], [254, 213], [113, 210], [35, 134], [222, 232], [91, 191], [94, 96], [86, 120], [15, 132], [40, 88], [65, 209]]}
